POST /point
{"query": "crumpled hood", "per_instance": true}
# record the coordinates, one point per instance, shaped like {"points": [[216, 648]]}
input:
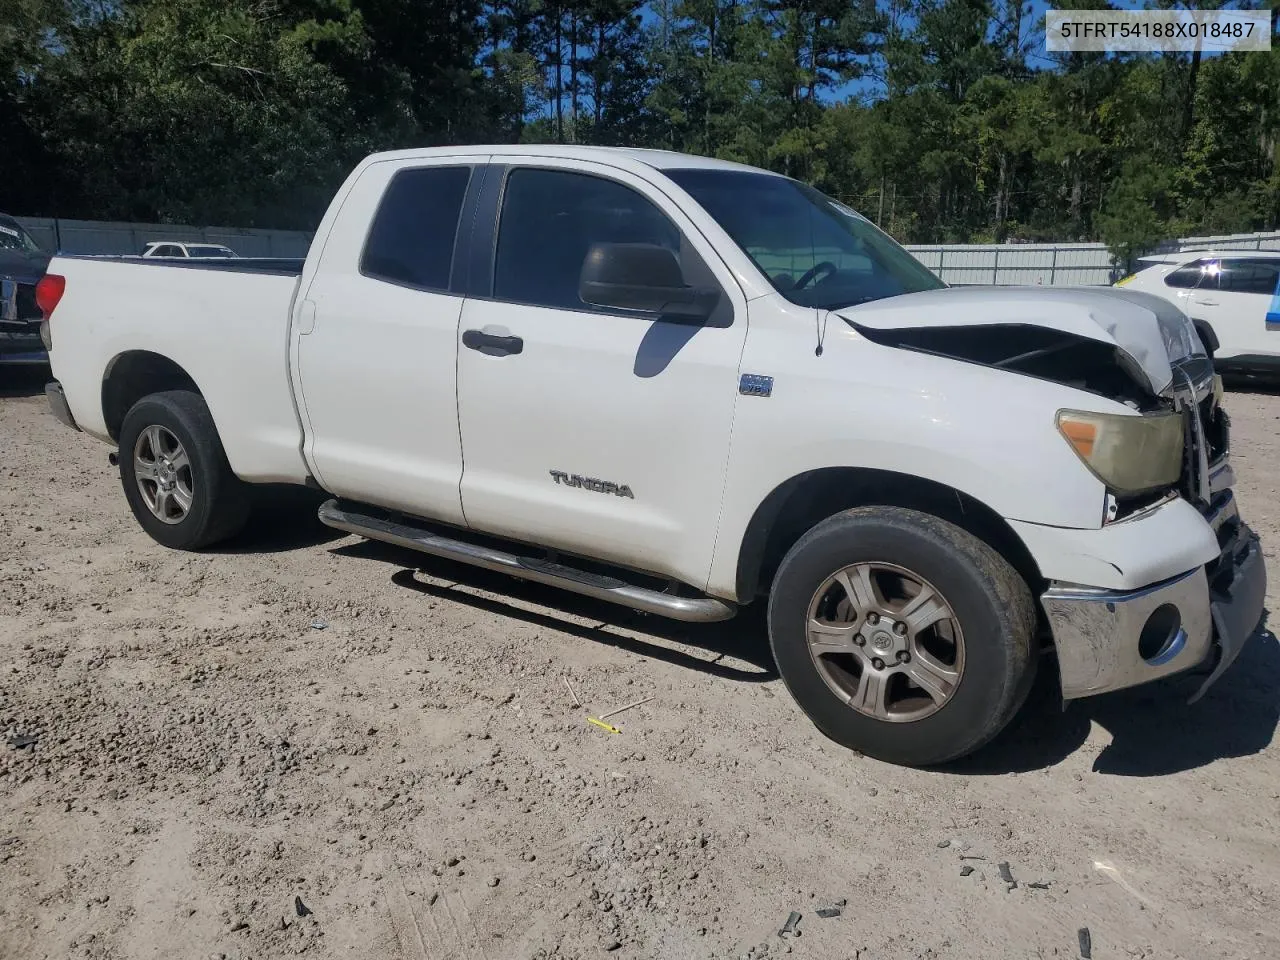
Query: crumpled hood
{"points": [[1152, 332]]}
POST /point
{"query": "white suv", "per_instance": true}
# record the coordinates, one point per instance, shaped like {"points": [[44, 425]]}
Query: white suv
{"points": [[1233, 296], [201, 251]]}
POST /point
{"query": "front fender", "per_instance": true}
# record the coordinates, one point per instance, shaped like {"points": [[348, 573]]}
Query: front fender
{"points": [[987, 433]]}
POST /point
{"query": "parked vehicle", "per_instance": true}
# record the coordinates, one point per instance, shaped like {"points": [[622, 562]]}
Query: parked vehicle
{"points": [[171, 249], [22, 264], [680, 385], [1233, 296]]}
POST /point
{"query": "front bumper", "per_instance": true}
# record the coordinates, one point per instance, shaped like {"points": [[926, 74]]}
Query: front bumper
{"points": [[1110, 639]]}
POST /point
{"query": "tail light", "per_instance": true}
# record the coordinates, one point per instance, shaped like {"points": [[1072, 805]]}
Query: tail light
{"points": [[49, 291]]}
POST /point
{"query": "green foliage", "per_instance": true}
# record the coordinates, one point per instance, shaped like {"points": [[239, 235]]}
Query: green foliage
{"points": [[943, 120]]}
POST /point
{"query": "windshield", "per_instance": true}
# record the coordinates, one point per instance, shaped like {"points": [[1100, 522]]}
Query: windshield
{"points": [[815, 251], [13, 237]]}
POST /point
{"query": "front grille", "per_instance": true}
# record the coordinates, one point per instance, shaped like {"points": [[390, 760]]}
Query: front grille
{"points": [[1217, 427], [1206, 430], [1189, 483], [1232, 537]]}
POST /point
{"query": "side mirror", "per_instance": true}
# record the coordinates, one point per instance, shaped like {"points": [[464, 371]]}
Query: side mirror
{"points": [[643, 277]]}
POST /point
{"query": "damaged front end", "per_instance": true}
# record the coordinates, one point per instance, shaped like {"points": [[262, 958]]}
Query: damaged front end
{"points": [[1131, 348], [1144, 353]]}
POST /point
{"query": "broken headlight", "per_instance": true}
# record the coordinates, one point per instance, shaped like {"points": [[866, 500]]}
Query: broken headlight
{"points": [[1130, 454]]}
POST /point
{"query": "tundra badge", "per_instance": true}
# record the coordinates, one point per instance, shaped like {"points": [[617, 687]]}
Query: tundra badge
{"points": [[591, 483]]}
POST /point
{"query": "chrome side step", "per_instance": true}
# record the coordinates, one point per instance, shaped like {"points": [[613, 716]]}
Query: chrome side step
{"points": [[692, 610]]}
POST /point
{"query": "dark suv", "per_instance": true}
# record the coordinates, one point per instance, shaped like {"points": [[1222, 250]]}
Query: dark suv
{"points": [[22, 263]]}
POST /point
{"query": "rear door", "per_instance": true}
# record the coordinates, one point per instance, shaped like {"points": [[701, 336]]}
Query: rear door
{"points": [[375, 339], [586, 429], [1246, 288]]}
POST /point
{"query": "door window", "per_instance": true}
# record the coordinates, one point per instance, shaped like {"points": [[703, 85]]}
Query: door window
{"points": [[1251, 276], [550, 219], [412, 237], [1199, 274]]}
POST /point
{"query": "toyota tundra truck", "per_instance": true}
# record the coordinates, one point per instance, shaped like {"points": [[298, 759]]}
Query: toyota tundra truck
{"points": [[685, 385]]}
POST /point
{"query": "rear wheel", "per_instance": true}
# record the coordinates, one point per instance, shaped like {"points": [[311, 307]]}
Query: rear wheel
{"points": [[901, 635], [175, 472]]}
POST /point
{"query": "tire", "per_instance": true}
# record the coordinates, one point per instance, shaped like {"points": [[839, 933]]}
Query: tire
{"points": [[217, 501], [988, 635]]}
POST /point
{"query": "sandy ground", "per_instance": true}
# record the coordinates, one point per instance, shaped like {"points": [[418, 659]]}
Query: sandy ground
{"points": [[306, 723]]}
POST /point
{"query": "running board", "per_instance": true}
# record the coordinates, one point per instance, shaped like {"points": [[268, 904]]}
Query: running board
{"points": [[691, 610]]}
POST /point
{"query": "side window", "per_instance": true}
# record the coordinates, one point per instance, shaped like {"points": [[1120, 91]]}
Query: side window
{"points": [[1196, 274], [550, 219], [412, 236], [1251, 276]]}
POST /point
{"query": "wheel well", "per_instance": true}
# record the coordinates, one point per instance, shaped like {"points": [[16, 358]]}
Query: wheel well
{"points": [[1207, 336], [804, 501], [132, 376]]}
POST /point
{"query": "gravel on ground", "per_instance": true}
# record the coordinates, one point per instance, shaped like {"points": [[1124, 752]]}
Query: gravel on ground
{"points": [[306, 744]]}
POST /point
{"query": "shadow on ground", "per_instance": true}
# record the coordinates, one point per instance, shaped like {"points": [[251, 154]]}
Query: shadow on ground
{"points": [[284, 518], [1154, 731], [1264, 384], [718, 649], [23, 380]]}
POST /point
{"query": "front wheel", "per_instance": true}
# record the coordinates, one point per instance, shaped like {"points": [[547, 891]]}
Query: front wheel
{"points": [[902, 636], [175, 472]]}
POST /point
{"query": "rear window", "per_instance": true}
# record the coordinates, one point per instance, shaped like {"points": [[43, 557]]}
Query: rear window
{"points": [[412, 236], [1251, 276]]}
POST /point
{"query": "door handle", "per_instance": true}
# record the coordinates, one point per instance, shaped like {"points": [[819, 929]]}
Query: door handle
{"points": [[492, 344], [1206, 303]]}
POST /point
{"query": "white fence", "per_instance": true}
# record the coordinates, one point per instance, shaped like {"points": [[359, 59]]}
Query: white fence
{"points": [[103, 237], [1044, 264], [1234, 241], [1057, 264]]}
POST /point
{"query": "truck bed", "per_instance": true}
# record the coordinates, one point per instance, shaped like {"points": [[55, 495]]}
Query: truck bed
{"points": [[279, 266], [224, 324]]}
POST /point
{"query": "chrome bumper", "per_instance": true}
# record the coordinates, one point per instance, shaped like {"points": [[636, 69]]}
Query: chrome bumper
{"points": [[1109, 640]]}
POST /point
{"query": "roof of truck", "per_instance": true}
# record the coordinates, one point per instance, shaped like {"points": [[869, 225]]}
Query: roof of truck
{"points": [[658, 159]]}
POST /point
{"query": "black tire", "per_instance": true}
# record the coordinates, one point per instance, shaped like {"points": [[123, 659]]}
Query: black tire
{"points": [[992, 605], [220, 500]]}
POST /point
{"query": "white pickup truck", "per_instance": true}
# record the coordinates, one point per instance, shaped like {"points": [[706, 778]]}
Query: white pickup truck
{"points": [[682, 385]]}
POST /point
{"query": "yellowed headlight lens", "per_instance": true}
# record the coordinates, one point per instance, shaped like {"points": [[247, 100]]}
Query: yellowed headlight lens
{"points": [[1130, 454]]}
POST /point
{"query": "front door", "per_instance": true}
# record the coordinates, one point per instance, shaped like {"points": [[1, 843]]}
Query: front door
{"points": [[595, 432]]}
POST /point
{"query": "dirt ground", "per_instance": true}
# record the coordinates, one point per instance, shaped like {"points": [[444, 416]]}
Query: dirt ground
{"points": [[304, 723]]}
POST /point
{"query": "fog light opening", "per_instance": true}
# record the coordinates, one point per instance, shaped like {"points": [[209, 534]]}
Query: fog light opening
{"points": [[1162, 635]]}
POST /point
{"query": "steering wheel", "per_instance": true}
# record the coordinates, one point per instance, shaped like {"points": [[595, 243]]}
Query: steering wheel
{"points": [[826, 269]]}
